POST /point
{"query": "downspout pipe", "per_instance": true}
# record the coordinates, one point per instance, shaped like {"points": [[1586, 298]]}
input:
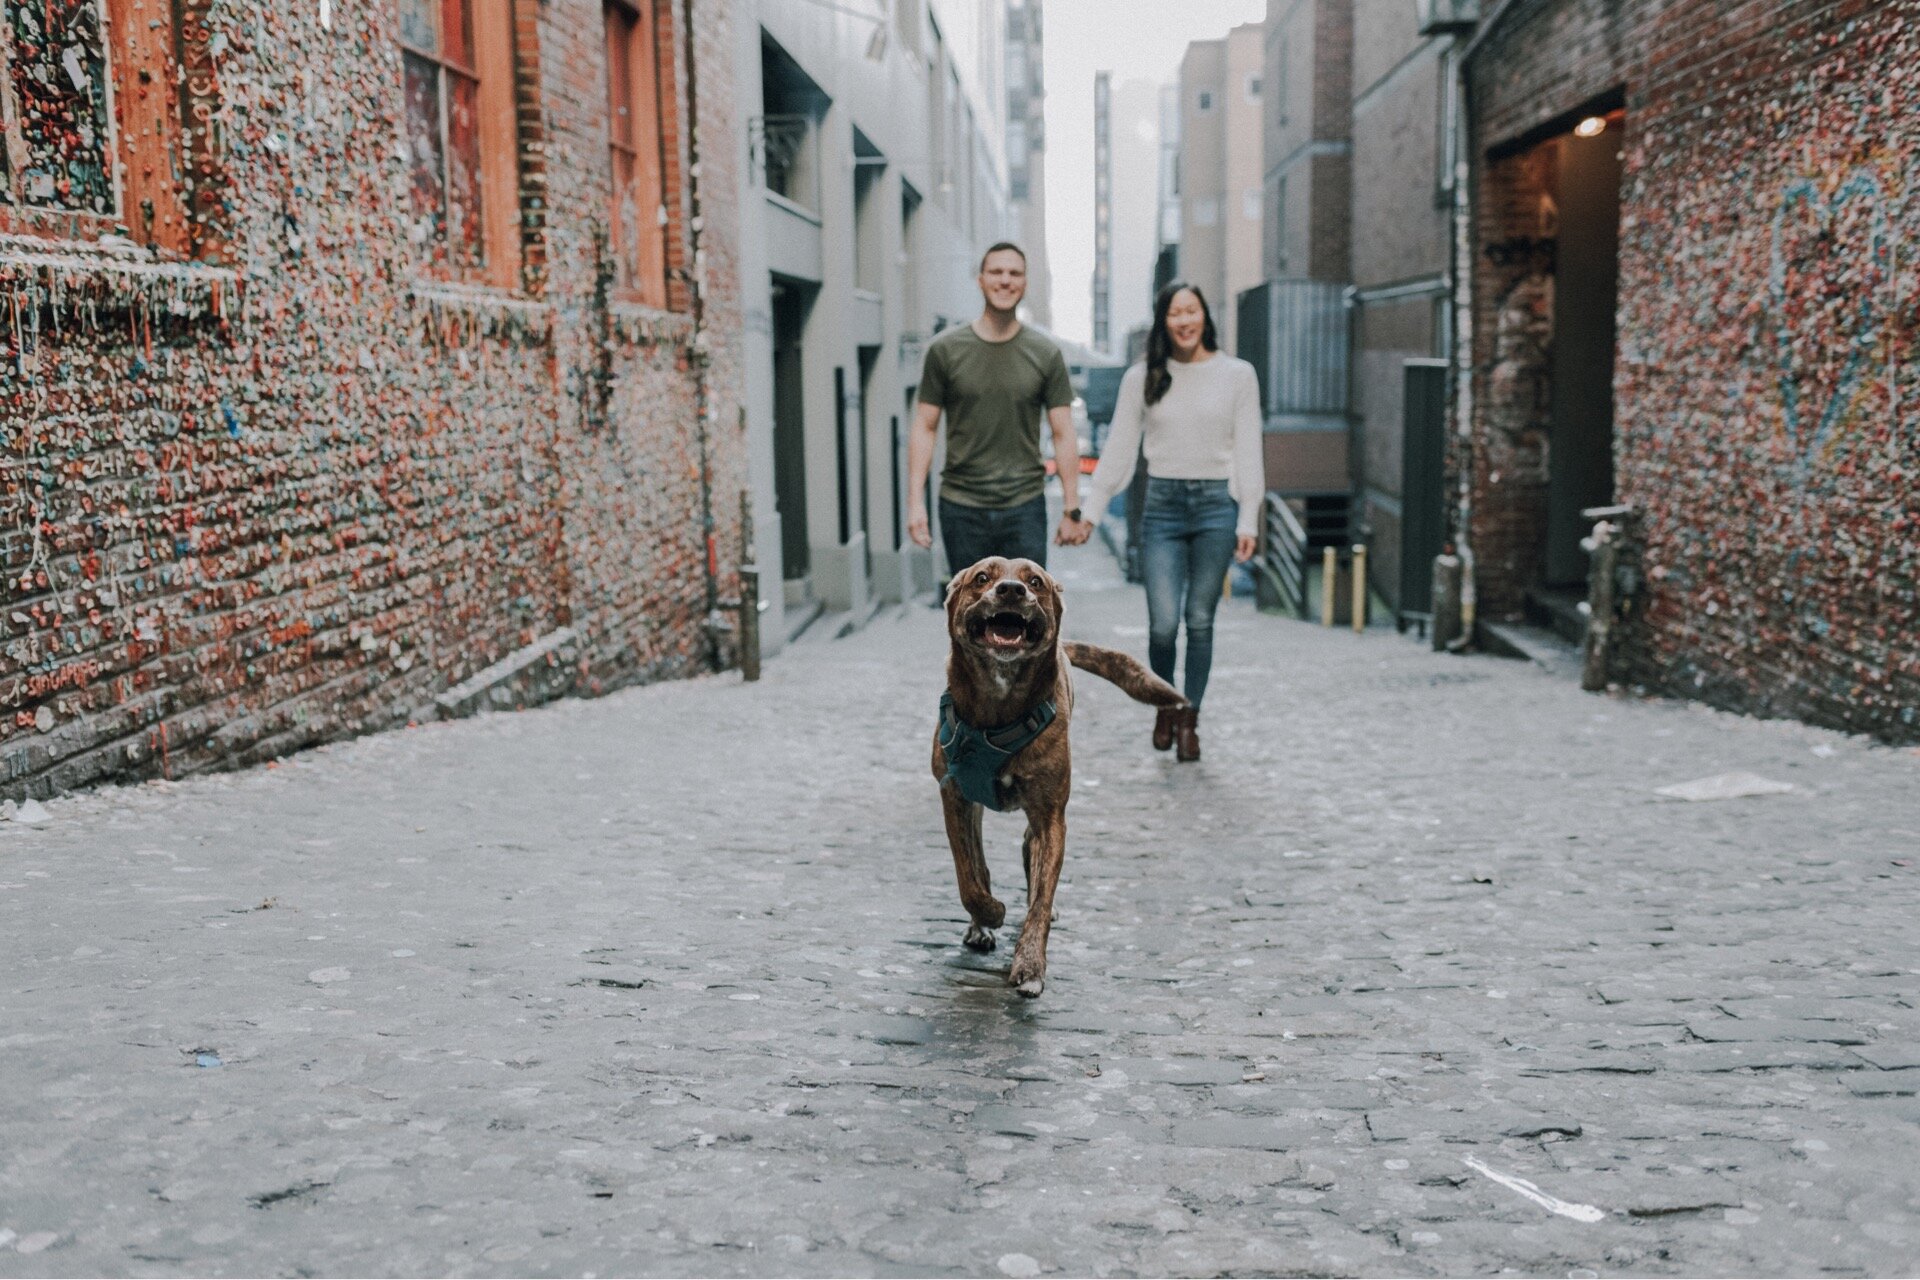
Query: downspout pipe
{"points": [[696, 291], [1463, 327]]}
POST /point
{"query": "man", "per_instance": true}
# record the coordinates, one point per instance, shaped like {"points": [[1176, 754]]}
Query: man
{"points": [[994, 379]]}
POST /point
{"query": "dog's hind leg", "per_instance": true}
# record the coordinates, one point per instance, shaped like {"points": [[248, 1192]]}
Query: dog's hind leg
{"points": [[970, 868], [1049, 847]]}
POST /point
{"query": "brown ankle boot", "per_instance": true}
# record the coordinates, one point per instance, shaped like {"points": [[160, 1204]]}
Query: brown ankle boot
{"points": [[1163, 723], [1187, 734]]}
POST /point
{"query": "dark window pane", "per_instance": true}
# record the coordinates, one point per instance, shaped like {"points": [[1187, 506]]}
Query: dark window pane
{"points": [[463, 170], [60, 87], [425, 153], [420, 24]]}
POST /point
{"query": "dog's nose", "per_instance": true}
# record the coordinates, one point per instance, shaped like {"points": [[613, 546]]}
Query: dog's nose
{"points": [[1008, 589]]}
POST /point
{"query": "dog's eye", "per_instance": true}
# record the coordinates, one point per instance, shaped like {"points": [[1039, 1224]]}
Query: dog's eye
{"points": [[1034, 583], [979, 579]]}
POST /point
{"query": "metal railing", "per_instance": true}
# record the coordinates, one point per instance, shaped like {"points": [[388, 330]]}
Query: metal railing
{"points": [[1280, 566]]}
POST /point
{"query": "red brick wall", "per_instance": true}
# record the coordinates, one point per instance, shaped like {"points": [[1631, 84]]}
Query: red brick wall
{"points": [[243, 512], [1765, 381]]}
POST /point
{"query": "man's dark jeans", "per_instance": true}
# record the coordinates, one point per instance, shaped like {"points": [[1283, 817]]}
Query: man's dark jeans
{"points": [[974, 533]]}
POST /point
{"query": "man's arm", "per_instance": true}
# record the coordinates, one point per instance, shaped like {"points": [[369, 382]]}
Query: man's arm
{"points": [[1066, 459], [921, 438]]}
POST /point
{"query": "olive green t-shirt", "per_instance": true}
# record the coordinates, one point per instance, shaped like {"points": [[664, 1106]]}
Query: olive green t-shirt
{"points": [[994, 395]]}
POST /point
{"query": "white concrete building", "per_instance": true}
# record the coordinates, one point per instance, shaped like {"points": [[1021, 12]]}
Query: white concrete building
{"points": [[875, 136], [1136, 204]]}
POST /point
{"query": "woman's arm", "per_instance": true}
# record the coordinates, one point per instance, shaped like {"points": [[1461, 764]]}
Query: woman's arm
{"points": [[1249, 481], [1121, 449]]}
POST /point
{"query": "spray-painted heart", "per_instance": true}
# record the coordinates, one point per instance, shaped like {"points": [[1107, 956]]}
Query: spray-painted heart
{"points": [[1831, 266]]}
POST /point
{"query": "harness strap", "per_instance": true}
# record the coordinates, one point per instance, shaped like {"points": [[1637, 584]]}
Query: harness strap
{"points": [[975, 756]]}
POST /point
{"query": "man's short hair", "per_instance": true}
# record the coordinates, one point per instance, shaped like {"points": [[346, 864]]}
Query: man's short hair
{"points": [[996, 248]]}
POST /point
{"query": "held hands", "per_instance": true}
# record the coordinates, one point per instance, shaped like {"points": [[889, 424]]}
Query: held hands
{"points": [[1072, 533]]}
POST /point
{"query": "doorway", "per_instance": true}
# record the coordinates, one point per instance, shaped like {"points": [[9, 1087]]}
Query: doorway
{"points": [[869, 359], [792, 301], [1585, 291]]}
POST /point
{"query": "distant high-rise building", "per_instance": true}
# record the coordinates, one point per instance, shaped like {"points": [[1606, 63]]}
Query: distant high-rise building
{"points": [[1102, 211], [1134, 139], [1166, 260], [1026, 151], [1222, 208]]}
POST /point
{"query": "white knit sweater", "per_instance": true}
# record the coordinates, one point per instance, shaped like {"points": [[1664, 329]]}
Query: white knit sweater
{"points": [[1207, 427]]}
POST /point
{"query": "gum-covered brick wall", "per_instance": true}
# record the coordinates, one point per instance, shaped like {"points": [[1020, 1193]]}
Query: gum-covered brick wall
{"points": [[295, 492], [1767, 389]]}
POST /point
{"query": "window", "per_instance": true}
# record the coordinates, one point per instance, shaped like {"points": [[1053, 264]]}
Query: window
{"points": [[1446, 149], [1280, 84], [1206, 100], [457, 58], [1253, 88], [906, 16], [1280, 227], [637, 239], [71, 165]]}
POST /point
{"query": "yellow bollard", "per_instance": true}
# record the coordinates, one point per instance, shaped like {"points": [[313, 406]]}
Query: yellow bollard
{"points": [[1359, 588], [1329, 570]]}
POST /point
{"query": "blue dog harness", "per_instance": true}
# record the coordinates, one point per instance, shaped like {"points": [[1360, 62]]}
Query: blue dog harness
{"points": [[976, 756]]}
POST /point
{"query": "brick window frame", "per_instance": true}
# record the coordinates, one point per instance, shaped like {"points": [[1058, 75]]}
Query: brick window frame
{"points": [[643, 155], [460, 107], [154, 179]]}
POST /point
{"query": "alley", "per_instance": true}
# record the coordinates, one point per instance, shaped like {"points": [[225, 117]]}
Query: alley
{"points": [[1415, 973]]}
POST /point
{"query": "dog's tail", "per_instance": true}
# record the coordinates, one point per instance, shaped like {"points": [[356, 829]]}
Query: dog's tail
{"points": [[1125, 671]]}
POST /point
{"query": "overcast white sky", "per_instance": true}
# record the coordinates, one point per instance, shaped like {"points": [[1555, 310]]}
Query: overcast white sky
{"points": [[1134, 39]]}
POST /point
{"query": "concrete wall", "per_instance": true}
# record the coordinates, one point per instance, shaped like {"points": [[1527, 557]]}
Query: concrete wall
{"points": [[1136, 165], [1308, 139], [1765, 376], [295, 491], [1203, 170], [1242, 202], [933, 107], [1400, 251]]}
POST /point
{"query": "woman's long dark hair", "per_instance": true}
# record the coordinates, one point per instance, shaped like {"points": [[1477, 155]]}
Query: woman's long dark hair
{"points": [[1160, 346]]}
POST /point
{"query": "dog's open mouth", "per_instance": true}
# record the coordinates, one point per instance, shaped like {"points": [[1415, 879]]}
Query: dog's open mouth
{"points": [[1006, 630]]}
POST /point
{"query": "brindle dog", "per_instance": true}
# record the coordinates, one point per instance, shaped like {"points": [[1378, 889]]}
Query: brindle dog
{"points": [[1003, 617]]}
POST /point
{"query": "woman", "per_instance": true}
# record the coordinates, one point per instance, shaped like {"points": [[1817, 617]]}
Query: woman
{"points": [[1198, 411]]}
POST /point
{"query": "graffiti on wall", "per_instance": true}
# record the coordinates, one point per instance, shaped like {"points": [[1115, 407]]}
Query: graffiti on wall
{"points": [[293, 493], [1767, 377]]}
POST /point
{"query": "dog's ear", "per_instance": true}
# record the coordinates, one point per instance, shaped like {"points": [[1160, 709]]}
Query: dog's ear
{"points": [[952, 601], [1056, 597], [954, 584]]}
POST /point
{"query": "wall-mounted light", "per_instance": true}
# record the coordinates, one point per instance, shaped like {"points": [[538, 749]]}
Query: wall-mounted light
{"points": [[1591, 127]]}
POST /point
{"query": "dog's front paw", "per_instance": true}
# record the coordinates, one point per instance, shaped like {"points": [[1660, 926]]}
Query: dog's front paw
{"points": [[1028, 978], [979, 939]]}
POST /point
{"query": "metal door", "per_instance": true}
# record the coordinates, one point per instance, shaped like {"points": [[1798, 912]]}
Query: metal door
{"points": [[1423, 496]]}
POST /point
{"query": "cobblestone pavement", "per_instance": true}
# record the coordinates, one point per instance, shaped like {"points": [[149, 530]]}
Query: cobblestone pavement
{"points": [[1413, 974]]}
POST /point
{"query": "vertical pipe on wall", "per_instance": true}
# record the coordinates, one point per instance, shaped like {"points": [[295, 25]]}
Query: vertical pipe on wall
{"points": [[1463, 333], [696, 293]]}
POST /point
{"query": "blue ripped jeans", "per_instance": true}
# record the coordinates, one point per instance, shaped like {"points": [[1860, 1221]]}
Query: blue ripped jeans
{"points": [[1187, 539]]}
